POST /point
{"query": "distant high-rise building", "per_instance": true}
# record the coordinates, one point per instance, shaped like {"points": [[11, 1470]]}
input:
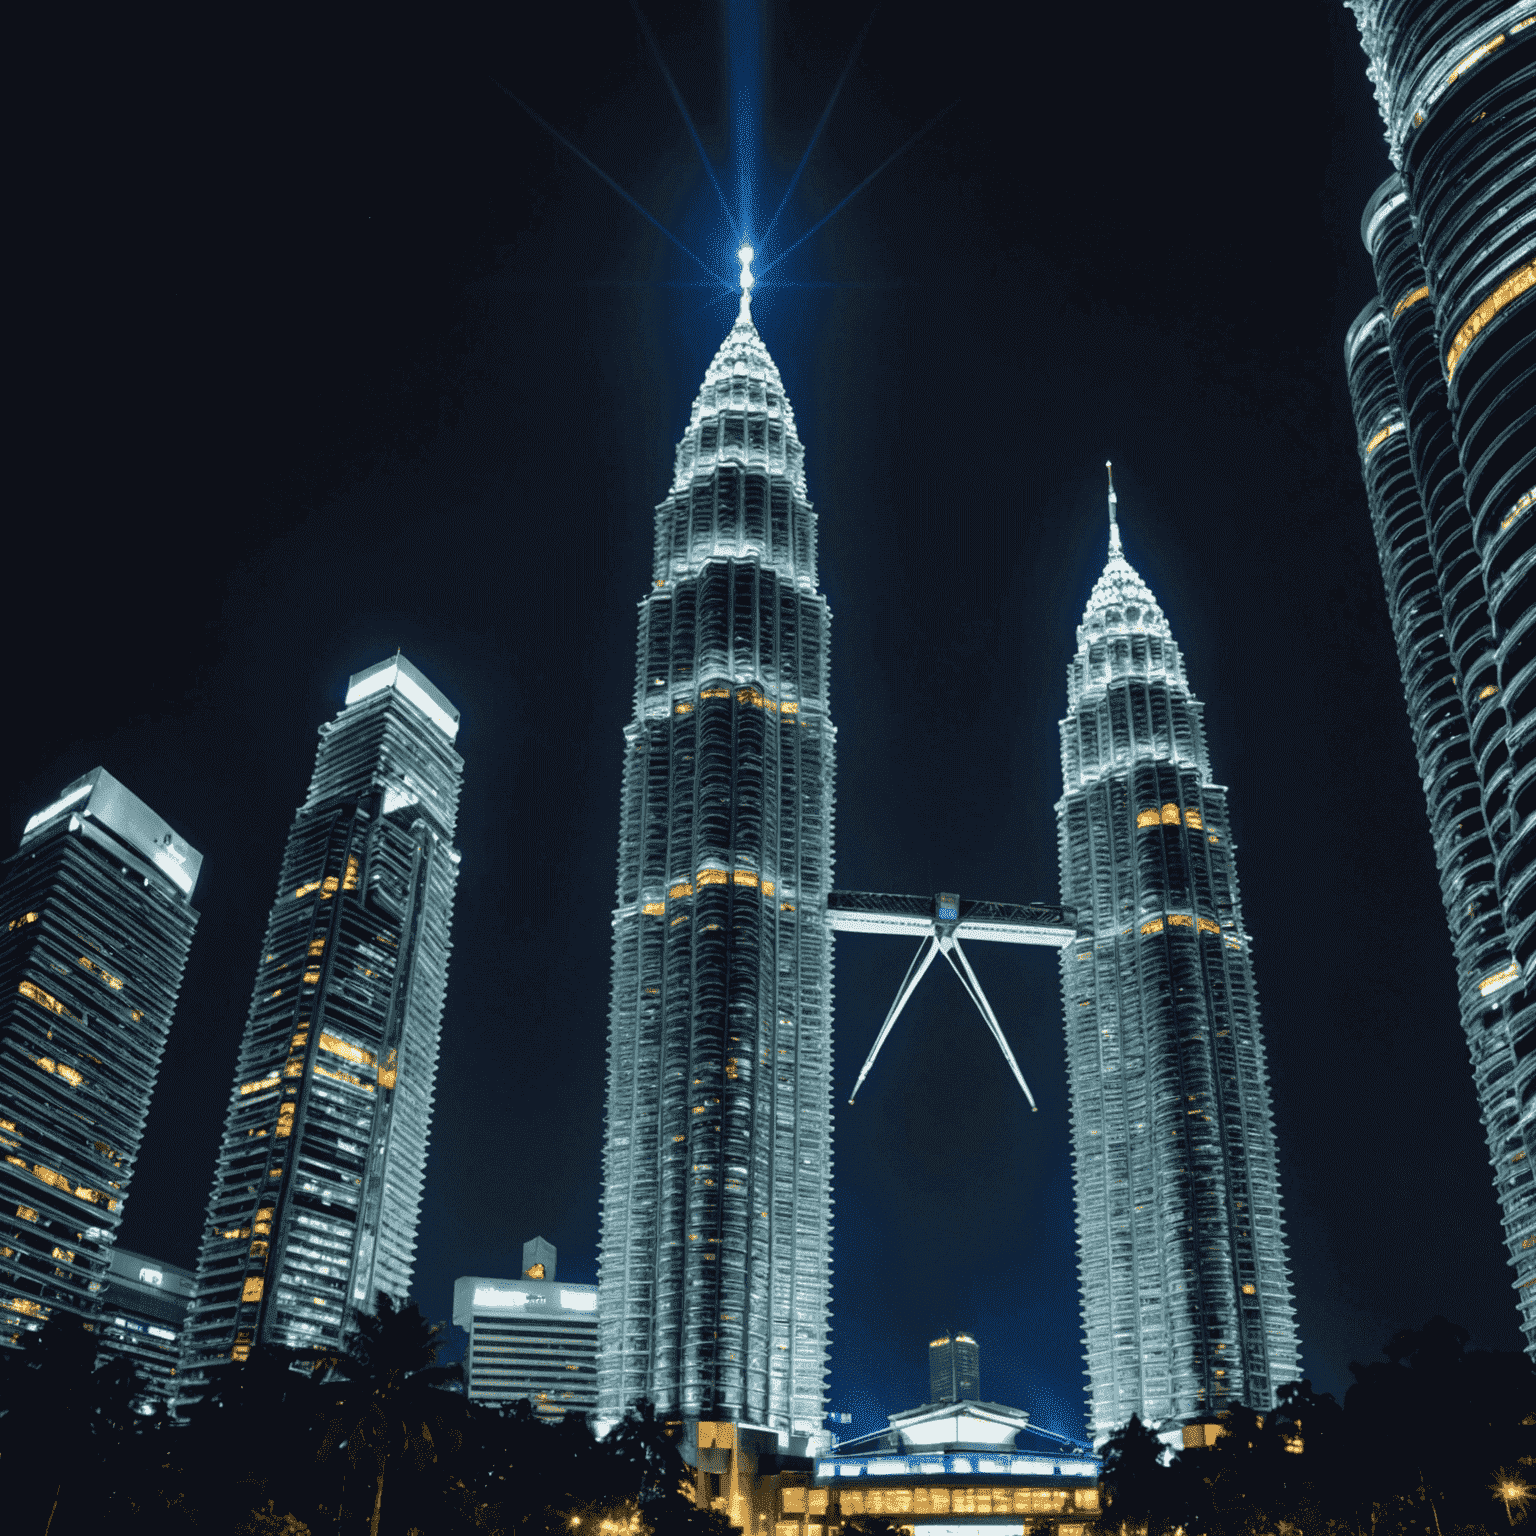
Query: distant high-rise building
{"points": [[954, 1369], [532, 1337], [1185, 1292], [95, 924], [715, 1258], [318, 1184], [144, 1306], [1441, 367]]}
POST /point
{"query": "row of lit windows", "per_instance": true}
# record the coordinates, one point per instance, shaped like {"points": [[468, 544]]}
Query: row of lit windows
{"points": [[928, 1500], [60, 1181], [1182, 920], [330, 884], [753, 696], [1168, 816], [743, 877]]}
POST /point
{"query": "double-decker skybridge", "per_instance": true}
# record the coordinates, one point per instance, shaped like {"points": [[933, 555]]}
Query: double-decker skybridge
{"points": [[940, 922]]}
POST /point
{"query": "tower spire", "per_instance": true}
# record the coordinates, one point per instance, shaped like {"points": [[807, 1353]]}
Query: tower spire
{"points": [[744, 256], [1114, 527]]}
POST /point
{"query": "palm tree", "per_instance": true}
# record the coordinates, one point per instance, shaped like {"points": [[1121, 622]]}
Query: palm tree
{"points": [[392, 1401]]}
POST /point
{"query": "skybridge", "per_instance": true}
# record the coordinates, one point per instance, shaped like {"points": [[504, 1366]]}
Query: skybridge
{"points": [[939, 923]]}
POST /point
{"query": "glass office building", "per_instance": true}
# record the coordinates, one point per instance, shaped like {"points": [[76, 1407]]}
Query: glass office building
{"points": [[1442, 371], [1186, 1298], [95, 925], [318, 1185], [715, 1257], [144, 1306]]}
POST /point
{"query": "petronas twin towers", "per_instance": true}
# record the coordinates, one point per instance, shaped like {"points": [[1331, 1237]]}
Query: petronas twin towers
{"points": [[715, 1255]]}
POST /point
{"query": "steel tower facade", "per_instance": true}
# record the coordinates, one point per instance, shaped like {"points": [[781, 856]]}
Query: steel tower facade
{"points": [[318, 1184], [1442, 368], [96, 922], [715, 1254], [1186, 1298]]}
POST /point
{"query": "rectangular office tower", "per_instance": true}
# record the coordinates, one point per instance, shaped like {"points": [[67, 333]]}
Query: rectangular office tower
{"points": [[95, 924], [954, 1369], [144, 1306], [530, 1338], [715, 1256], [318, 1185], [1186, 1296]]}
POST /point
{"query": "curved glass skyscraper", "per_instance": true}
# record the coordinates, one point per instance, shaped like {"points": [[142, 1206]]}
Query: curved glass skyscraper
{"points": [[1186, 1298], [715, 1255], [1442, 368]]}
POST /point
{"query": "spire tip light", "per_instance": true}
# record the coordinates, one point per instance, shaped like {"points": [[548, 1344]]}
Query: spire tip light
{"points": [[744, 256]]}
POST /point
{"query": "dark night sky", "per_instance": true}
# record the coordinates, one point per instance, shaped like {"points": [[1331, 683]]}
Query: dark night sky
{"points": [[323, 347]]}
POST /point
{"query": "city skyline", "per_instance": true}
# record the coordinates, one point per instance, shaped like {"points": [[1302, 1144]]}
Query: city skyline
{"points": [[483, 509]]}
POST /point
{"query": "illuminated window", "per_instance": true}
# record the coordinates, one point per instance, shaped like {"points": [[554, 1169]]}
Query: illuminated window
{"points": [[744, 877], [1148, 818], [349, 880], [31, 917], [26, 1304], [1382, 436], [1155, 925], [1249, 1289], [26, 1213], [1408, 300], [1180, 920], [1171, 814], [1500, 979], [115, 982], [346, 1050], [46, 999], [1192, 819], [285, 1119], [654, 908], [1488, 692], [1507, 291], [684, 888], [340, 1077], [312, 976], [387, 1071], [794, 1501], [712, 877], [259, 1085], [1205, 925], [1514, 512], [682, 709], [534, 1272], [714, 693], [304, 890]]}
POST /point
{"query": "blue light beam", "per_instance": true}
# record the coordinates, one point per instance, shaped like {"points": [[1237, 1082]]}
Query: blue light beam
{"points": [[677, 96], [831, 102], [840, 206], [598, 170]]}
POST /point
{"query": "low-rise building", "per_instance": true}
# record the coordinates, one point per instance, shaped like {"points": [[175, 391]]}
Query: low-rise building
{"points": [[144, 1306]]}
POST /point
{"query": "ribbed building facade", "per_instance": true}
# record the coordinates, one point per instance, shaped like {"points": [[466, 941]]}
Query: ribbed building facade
{"points": [[714, 1264], [1186, 1298], [1442, 367], [318, 1185], [96, 923]]}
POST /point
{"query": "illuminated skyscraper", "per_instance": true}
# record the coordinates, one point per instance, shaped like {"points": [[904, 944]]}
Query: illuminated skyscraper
{"points": [[318, 1185], [95, 924], [1186, 1299], [954, 1369], [714, 1268], [1441, 365]]}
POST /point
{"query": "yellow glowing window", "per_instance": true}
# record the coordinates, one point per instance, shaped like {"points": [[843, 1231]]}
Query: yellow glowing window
{"points": [[1180, 920], [1205, 925], [1086, 1498], [1147, 818], [1171, 814], [26, 1213], [312, 976], [342, 1077], [346, 1050], [46, 999], [253, 1289], [1477, 56], [789, 707], [387, 1072], [767, 887], [786, 906], [259, 1085], [317, 946], [285, 1120], [679, 1138], [1382, 436], [115, 982], [24, 1303], [745, 877], [304, 890], [682, 709], [328, 887], [1192, 819], [1488, 692], [1249, 1289], [1212, 838], [683, 888], [1514, 512], [64, 1255], [18, 922], [1154, 926], [714, 693], [349, 880], [654, 908], [1506, 293], [1500, 979], [1408, 300], [711, 877]]}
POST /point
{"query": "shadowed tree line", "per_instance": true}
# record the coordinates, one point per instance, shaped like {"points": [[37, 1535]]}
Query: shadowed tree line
{"points": [[370, 1441], [1435, 1440]]}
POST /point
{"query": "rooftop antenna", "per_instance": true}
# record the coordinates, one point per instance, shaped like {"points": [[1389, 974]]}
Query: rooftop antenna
{"points": [[1114, 527], [744, 256]]}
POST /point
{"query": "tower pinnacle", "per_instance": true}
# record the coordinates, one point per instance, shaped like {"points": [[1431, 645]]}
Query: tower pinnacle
{"points": [[745, 255], [1114, 527]]}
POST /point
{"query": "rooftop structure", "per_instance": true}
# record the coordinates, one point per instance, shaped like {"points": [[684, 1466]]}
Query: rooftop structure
{"points": [[1185, 1292], [95, 925], [318, 1184]]}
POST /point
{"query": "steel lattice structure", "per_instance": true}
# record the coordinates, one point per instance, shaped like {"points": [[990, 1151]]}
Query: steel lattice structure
{"points": [[1186, 1298], [318, 1185], [715, 1254]]}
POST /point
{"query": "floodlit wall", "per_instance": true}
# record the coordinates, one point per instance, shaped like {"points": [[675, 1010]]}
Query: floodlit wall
{"points": [[714, 1270], [318, 1185], [96, 923], [1453, 241], [1186, 1297]]}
